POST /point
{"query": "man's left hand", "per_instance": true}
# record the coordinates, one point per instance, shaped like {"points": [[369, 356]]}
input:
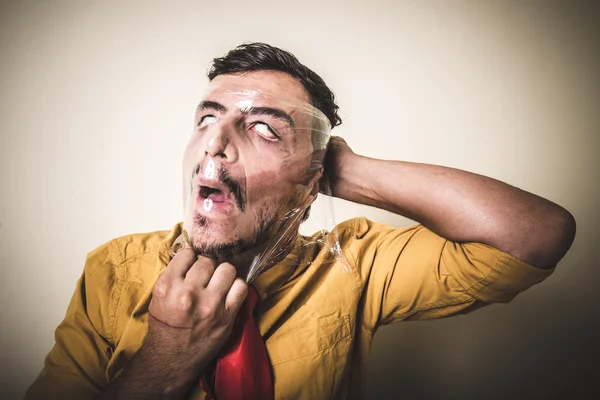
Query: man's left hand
{"points": [[337, 155]]}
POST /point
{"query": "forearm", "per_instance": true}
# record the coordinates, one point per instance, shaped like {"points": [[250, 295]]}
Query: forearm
{"points": [[150, 375], [139, 381], [461, 206]]}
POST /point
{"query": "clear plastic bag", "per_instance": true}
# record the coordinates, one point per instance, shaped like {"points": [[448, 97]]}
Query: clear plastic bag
{"points": [[252, 169]]}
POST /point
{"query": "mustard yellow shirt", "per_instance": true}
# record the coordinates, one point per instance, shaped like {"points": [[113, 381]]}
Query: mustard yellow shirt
{"points": [[316, 314]]}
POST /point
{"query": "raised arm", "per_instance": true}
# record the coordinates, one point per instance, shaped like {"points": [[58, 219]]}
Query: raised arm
{"points": [[457, 205]]}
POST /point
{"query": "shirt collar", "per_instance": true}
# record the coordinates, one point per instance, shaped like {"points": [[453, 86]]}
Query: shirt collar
{"points": [[269, 281]]}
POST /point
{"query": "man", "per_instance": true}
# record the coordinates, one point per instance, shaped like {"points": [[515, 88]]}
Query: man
{"points": [[143, 324]]}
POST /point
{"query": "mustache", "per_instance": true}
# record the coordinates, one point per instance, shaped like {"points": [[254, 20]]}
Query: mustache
{"points": [[225, 178]]}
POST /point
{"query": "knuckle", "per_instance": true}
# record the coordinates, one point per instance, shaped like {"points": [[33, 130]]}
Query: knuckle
{"points": [[211, 312], [185, 301], [206, 309], [160, 288]]}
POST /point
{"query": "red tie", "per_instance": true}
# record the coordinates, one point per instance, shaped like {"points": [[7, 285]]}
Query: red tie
{"points": [[242, 370]]}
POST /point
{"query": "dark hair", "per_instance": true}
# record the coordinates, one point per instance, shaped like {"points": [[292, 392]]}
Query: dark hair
{"points": [[261, 56]]}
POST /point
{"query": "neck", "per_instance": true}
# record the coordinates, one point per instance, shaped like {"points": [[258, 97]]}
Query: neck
{"points": [[252, 262]]}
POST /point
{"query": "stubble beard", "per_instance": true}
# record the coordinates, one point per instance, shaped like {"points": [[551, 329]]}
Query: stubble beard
{"points": [[271, 220]]}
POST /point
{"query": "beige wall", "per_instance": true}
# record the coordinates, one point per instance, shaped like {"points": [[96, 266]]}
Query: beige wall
{"points": [[96, 103]]}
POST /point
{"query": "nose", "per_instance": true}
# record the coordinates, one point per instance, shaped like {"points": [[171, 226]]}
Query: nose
{"points": [[219, 142]]}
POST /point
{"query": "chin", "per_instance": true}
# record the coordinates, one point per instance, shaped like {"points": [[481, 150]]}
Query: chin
{"points": [[214, 245]]}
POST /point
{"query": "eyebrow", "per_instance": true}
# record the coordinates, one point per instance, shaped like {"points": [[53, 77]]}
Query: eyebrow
{"points": [[211, 105], [273, 112]]}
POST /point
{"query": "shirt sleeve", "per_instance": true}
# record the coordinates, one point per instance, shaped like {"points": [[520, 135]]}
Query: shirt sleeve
{"points": [[75, 368], [414, 274]]}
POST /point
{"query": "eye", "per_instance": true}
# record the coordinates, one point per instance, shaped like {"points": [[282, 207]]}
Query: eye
{"points": [[206, 120], [265, 131]]}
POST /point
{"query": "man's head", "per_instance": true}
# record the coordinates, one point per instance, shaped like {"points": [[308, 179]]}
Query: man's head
{"points": [[256, 153]]}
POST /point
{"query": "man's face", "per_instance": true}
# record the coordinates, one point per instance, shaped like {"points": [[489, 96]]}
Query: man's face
{"points": [[248, 162]]}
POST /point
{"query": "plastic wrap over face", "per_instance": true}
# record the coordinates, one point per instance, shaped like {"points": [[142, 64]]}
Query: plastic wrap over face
{"points": [[250, 172]]}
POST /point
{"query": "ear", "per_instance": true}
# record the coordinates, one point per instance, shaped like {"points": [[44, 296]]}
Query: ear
{"points": [[315, 182]]}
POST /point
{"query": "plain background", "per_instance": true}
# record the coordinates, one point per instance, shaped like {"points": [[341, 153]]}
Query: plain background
{"points": [[96, 106]]}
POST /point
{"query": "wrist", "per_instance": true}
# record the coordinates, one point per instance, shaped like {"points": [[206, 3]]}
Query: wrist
{"points": [[348, 181], [340, 177], [167, 369]]}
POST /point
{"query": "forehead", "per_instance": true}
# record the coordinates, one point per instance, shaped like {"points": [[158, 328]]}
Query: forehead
{"points": [[272, 85]]}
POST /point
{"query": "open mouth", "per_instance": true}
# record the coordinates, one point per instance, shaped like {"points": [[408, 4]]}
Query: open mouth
{"points": [[215, 195]]}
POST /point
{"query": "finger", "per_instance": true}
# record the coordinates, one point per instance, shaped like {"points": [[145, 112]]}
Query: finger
{"points": [[201, 272], [222, 279], [180, 264], [236, 296]]}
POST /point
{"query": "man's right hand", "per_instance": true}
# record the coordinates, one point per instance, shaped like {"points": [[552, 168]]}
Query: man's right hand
{"points": [[193, 307]]}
